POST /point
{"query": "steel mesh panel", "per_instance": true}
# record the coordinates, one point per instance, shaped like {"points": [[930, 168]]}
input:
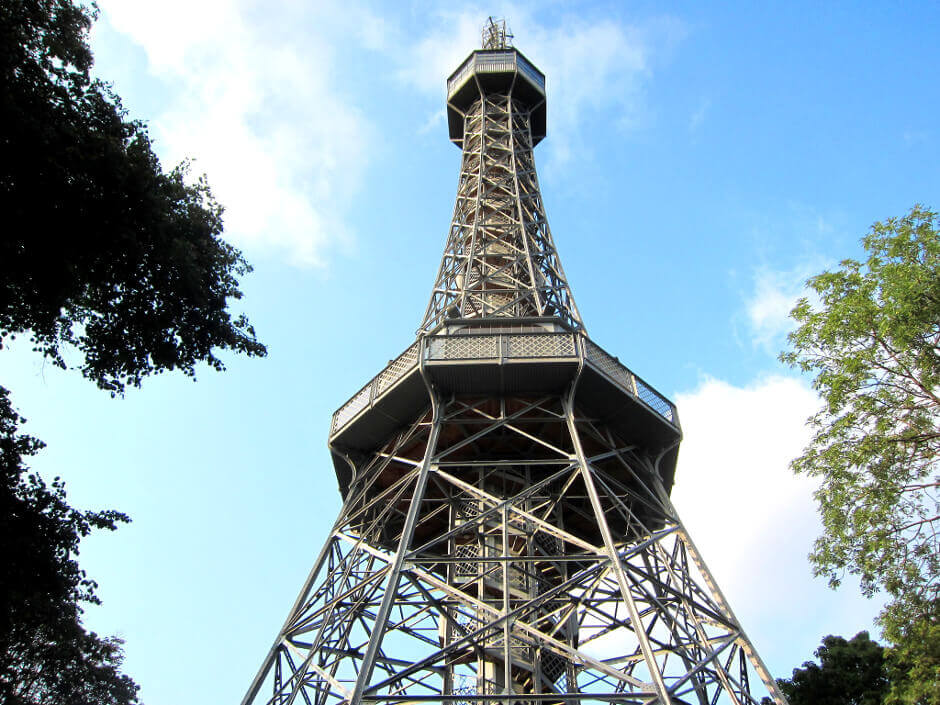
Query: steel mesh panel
{"points": [[463, 347], [550, 545], [467, 507], [609, 366], [553, 667], [622, 376], [654, 400], [469, 568], [352, 407], [544, 345], [396, 369], [465, 623]]}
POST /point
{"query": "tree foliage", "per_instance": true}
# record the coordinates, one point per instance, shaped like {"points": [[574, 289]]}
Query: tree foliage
{"points": [[873, 343], [848, 673], [102, 251], [111, 266], [914, 658], [45, 653]]}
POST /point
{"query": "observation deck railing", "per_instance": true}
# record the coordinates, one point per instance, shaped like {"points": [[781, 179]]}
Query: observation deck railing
{"points": [[495, 62], [503, 346]]}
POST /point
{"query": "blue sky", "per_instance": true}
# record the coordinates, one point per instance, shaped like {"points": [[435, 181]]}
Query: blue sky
{"points": [[702, 161]]}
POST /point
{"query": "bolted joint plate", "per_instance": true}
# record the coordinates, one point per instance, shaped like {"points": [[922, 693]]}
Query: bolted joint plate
{"points": [[489, 71], [494, 363]]}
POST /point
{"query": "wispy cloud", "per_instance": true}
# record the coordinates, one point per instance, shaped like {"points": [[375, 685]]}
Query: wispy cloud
{"points": [[240, 80], [773, 295], [768, 309], [915, 138], [257, 94], [594, 65], [698, 117], [434, 120]]}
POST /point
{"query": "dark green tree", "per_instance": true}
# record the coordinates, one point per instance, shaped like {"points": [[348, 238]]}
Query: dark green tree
{"points": [[45, 654], [848, 673], [103, 252], [873, 343], [111, 266]]}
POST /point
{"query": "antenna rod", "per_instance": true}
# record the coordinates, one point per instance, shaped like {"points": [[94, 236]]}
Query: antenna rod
{"points": [[495, 34]]}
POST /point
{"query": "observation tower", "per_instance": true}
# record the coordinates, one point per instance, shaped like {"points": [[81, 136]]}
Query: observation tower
{"points": [[507, 534]]}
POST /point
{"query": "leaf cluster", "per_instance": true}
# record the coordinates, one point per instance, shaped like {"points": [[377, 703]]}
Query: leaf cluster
{"points": [[913, 659], [45, 653], [103, 251], [873, 343], [849, 672]]}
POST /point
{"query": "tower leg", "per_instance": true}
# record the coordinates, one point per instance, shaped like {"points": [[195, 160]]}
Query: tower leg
{"points": [[394, 574], [510, 550]]}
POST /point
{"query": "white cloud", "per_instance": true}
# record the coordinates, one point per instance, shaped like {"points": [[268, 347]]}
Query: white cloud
{"points": [[251, 98], [698, 117], [434, 120], [768, 308], [734, 489], [753, 521], [773, 296], [256, 94]]}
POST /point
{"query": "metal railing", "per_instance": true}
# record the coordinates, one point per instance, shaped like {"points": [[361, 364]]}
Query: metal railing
{"points": [[502, 346], [495, 63], [532, 73], [620, 374], [375, 387], [455, 81]]}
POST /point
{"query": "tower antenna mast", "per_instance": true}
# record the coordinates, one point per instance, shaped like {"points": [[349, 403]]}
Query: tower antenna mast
{"points": [[495, 34]]}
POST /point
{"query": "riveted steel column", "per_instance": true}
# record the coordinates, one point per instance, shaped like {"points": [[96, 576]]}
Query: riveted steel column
{"points": [[301, 598], [645, 647], [394, 576]]}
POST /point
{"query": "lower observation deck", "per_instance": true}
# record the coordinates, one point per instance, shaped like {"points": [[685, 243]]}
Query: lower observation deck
{"points": [[477, 362]]}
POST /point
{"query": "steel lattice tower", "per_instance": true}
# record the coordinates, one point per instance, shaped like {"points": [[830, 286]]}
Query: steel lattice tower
{"points": [[507, 534]]}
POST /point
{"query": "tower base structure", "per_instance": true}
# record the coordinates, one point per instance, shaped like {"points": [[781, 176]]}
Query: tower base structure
{"points": [[510, 547]]}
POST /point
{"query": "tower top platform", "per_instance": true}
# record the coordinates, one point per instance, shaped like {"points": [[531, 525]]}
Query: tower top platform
{"points": [[488, 71]]}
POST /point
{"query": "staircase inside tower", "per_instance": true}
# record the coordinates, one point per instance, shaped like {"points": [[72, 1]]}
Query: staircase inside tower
{"points": [[507, 566]]}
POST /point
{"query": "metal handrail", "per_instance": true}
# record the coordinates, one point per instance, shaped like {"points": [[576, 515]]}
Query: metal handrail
{"points": [[491, 346], [489, 63]]}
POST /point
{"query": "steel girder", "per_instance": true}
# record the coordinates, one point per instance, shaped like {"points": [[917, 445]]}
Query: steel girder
{"points": [[510, 550], [499, 260]]}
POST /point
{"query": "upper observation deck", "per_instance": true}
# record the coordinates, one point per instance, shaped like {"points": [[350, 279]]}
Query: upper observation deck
{"points": [[489, 71]]}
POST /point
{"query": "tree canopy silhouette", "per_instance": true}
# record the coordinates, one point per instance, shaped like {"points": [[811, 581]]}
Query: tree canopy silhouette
{"points": [[848, 673], [106, 259], [103, 250], [45, 653]]}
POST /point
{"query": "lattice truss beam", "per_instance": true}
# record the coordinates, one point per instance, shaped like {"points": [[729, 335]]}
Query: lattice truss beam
{"points": [[510, 550], [499, 259]]}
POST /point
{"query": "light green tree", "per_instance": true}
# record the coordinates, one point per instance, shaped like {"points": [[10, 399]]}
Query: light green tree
{"points": [[871, 338]]}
